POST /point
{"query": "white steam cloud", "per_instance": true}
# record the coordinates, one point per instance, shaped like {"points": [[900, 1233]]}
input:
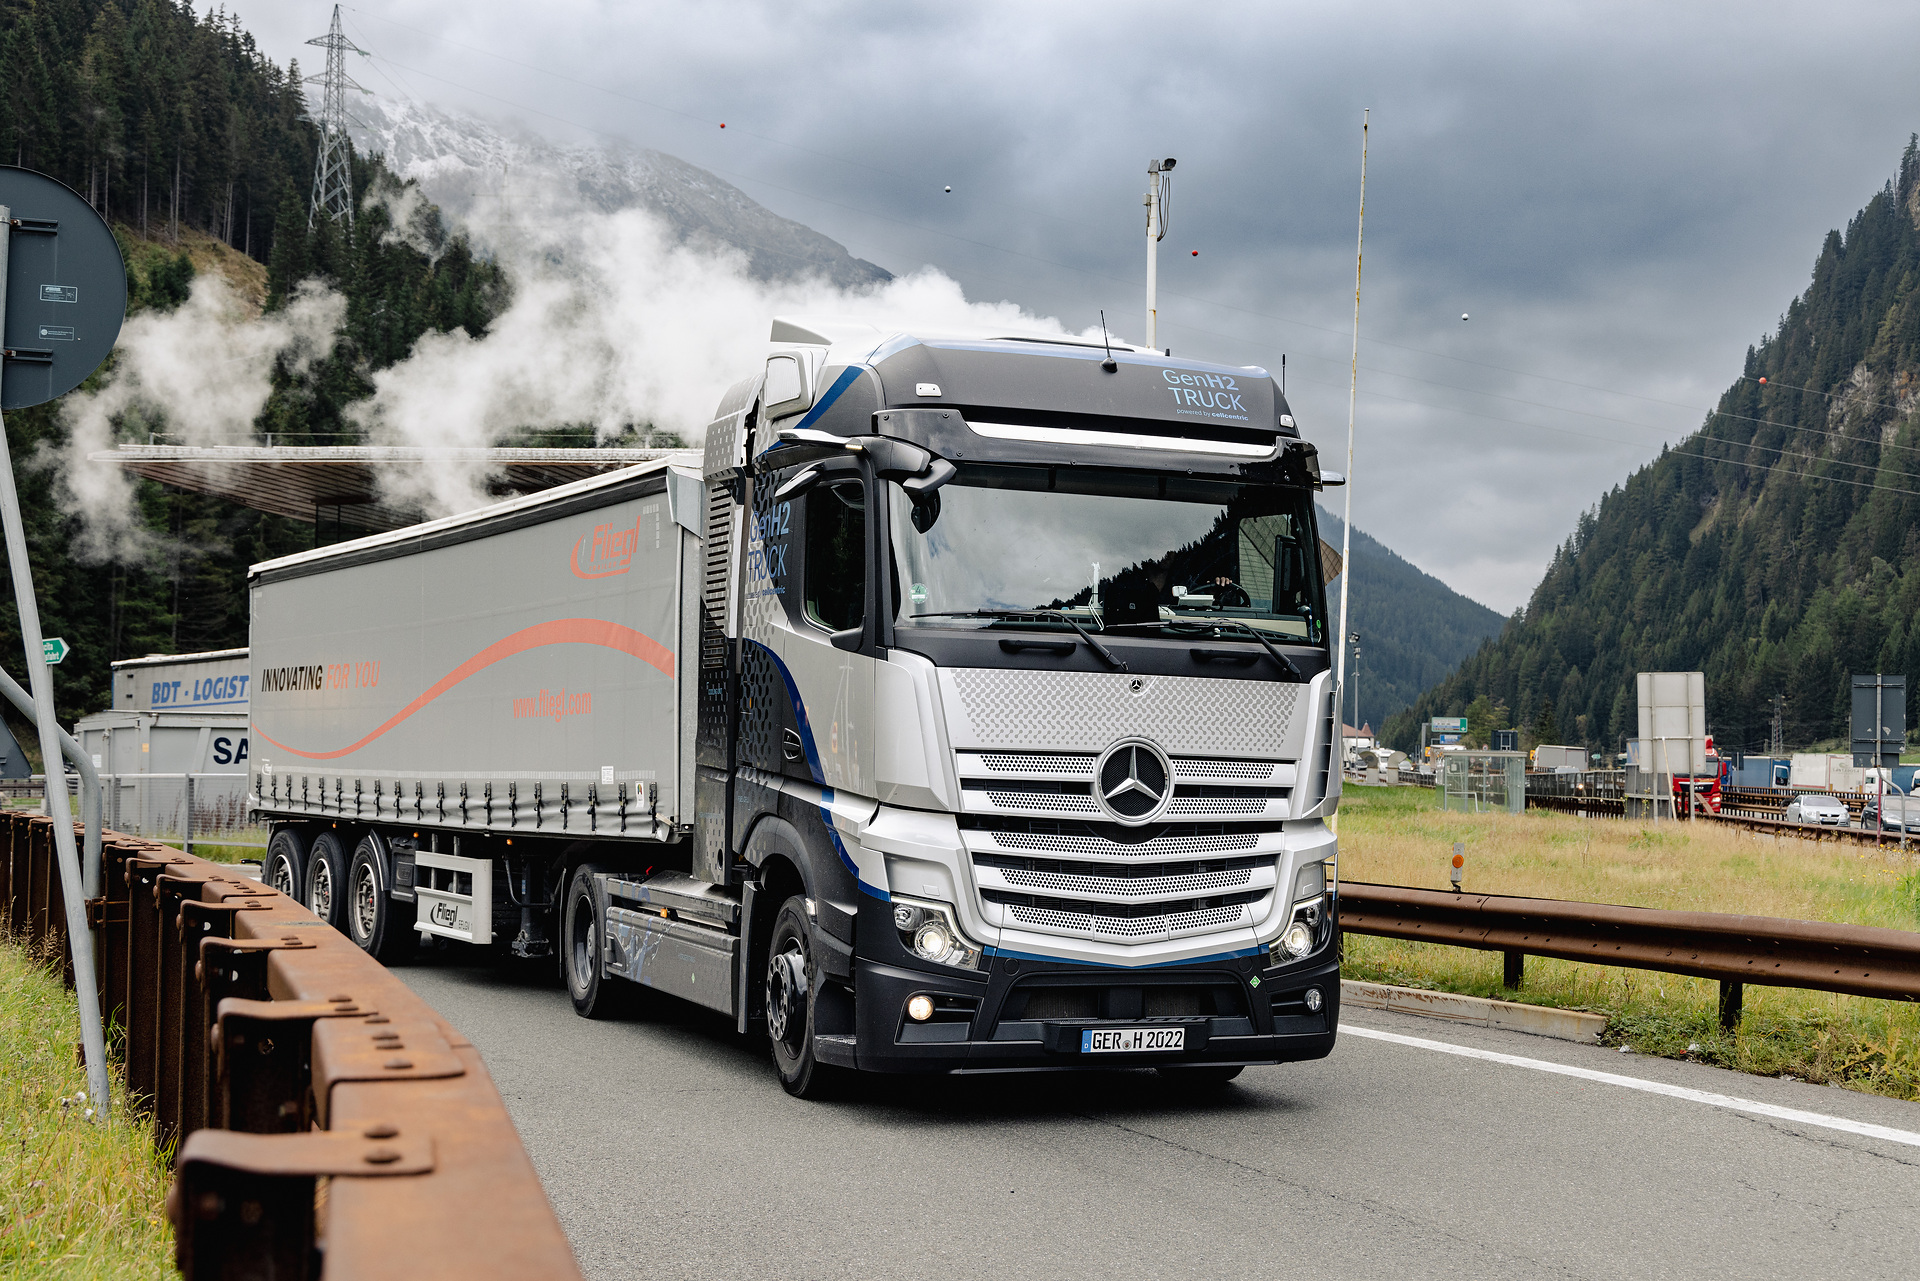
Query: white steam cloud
{"points": [[612, 324], [200, 373]]}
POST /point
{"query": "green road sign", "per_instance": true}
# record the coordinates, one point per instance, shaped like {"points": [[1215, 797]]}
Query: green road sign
{"points": [[54, 648]]}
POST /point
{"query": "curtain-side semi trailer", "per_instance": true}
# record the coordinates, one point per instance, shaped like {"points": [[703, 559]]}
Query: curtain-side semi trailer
{"points": [[966, 707]]}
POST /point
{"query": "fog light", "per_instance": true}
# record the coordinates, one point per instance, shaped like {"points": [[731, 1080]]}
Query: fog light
{"points": [[933, 941], [1298, 940], [920, 1008], [1314, 1000]]}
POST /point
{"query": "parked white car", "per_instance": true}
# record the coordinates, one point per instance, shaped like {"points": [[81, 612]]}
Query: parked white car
{"points": [[1814, 808]]}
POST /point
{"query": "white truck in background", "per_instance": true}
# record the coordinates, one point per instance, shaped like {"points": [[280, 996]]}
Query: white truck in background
{"points": [[966, 707]]}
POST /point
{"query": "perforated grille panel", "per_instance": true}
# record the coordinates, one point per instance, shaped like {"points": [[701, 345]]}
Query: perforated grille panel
{"points": [[1158, 847], [1132, 887], [1218, 805], [1005, 763], [1026, 711], [1129, 927], [1051, 802], [1258, 771]]}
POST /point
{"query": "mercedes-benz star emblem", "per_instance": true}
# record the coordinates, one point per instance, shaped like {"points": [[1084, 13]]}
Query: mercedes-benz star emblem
{"points": [[1133, 781]]}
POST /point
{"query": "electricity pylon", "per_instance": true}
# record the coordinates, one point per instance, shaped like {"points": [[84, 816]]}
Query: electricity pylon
{"points": [[333, 171]]}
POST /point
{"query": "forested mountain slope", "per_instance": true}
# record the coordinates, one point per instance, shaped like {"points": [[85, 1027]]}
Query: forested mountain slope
{"points": [[1777, 549], [196, 149], [1413, 628]]}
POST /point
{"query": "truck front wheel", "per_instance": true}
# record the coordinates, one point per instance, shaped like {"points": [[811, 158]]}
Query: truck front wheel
{"points": [[595, 994], [792, 987]]}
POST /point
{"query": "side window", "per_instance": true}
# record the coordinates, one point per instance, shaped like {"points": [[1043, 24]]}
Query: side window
{"points": [[836, 568]]}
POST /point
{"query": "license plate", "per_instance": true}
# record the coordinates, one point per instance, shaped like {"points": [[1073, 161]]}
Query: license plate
{"points": [[1131, 1040]]}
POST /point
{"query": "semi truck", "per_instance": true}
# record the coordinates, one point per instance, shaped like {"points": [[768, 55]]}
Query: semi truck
{"points": [[964, 706]]}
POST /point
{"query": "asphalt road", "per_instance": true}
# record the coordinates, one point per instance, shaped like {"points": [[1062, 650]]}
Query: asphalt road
{"points": [[669, 1150]]}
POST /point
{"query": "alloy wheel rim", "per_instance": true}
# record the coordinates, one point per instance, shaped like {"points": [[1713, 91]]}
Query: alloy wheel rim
{"points": [[366, 908], [322, 905]]}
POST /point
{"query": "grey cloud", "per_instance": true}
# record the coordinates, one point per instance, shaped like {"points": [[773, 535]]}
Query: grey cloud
{"points": [[1621, 196]]}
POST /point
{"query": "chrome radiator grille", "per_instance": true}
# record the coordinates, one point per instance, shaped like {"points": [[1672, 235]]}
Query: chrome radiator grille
{"points": [[1126, 885]]}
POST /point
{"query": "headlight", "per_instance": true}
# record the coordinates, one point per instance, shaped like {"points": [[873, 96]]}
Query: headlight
{"points": [[1310, 881], [1298, 940], [928, 931]]}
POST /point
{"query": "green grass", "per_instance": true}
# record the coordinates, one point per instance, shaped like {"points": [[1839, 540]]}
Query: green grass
{"points": [[1397, 836], [79, 1197]]}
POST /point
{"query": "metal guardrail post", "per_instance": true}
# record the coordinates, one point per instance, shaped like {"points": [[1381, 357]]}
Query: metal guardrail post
{"points": [[1732, 997], [1514, 971]]}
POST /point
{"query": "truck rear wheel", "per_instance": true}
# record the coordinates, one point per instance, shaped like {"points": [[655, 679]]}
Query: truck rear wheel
{"points": [[373, 918], [595, 994], [286, 864], [326, 881], [792, 986]]}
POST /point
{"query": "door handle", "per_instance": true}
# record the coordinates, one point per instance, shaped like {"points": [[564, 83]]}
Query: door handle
{"points": [[790, 745]]}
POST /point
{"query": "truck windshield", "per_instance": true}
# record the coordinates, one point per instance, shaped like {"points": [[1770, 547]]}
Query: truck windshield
{"points": [[1141, 554]]}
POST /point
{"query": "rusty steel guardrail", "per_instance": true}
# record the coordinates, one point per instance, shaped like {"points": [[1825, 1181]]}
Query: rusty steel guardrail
{"points": [[324, 1120], [1858, 960]]}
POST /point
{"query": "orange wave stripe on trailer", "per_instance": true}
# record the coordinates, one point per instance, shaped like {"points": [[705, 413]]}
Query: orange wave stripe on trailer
{"points": [[561, 631]]}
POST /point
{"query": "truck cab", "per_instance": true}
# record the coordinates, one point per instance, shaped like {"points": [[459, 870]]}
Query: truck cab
{"points": [[1016, 719]]}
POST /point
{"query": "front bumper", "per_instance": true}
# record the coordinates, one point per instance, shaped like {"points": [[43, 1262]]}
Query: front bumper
{"points": [[1020, 1014]]}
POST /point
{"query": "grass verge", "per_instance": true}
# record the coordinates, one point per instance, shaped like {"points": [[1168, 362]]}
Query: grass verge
{"points": [[1397, 836], [78, 1198]]}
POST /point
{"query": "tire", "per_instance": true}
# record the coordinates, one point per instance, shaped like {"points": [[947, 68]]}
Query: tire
{"points": [[595, 994], [380, 926], [326, 880], [789, 998], [1204, 1076], [285, 868]]}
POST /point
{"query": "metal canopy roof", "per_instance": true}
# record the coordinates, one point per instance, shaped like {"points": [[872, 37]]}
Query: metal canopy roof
{"points": [[317, 482]]}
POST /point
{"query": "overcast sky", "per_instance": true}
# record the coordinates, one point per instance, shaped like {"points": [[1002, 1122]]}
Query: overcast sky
{"points": [[1623, 197]]}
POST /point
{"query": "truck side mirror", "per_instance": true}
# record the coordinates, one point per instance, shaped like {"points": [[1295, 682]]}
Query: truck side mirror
{"points": [[848, 640]]}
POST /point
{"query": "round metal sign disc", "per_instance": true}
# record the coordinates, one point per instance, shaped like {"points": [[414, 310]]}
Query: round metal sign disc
{"points": [[66, 289]]}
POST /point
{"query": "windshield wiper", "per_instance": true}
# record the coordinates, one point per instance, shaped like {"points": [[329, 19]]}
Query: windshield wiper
{"points": [[1247, 629], [1015, 615]]}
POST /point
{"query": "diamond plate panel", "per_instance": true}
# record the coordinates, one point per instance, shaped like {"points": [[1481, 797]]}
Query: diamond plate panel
{"points": [[1027, 711]]}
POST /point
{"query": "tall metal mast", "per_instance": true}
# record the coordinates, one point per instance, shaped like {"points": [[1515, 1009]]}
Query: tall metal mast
{"points": [[1353, 391], [332, 171], [1159, 189]]}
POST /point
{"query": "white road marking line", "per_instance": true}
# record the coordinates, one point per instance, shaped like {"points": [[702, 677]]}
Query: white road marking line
{"points": [[1728, 1101]]}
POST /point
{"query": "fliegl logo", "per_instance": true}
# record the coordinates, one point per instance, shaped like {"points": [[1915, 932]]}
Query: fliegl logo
{"points": [[608, 550]]}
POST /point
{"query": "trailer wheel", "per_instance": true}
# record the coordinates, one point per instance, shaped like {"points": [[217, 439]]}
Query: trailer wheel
{"points": [[595, 995], [373, 918], [792, 986], [286, 868], [326, 882]]}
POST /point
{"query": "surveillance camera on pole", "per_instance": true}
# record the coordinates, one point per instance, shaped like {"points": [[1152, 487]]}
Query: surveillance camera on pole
{"points": [[1159, 198]]}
